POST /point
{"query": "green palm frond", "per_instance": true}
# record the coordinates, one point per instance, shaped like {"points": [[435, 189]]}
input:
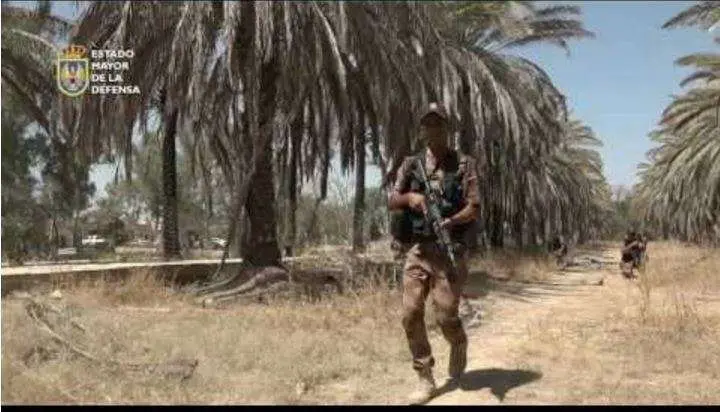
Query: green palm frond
{"points": [[705, 14]]}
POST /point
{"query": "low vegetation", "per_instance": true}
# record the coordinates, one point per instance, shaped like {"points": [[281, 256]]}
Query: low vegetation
{"points": [[648, 341]]}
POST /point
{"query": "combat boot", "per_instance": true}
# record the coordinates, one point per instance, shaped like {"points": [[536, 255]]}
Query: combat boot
{"points": [[425, 389], [458, 360]]}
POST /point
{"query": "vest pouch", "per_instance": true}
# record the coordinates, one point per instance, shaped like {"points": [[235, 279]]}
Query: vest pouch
{"points": [[452, 193], [420, 227]]}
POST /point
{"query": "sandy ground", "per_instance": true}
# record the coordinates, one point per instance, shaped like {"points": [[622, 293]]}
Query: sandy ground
{"points": [[574, 342], [494, 374], [568, 340]]}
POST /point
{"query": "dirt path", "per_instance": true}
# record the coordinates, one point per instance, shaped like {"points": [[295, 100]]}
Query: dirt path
{"points": [[493, 375], [498, 370]]}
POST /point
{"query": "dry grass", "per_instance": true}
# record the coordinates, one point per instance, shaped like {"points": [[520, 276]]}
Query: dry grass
{"points": [[284, 352], [652, 340], [514, 265], [646, 341], [348, 349], [521, 265], [142, 288]]}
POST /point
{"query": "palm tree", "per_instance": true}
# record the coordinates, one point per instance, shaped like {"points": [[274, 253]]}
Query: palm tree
{"points": [[458, 74], [704, 14], [679, 190], [576, 167], [350, 74], [29, 50], [523, 121], [108, 121], [524, 101], [301, 57]]}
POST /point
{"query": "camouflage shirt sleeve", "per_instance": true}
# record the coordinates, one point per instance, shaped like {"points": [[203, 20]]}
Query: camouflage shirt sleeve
{"points": [[470, 182], [400, 185]]}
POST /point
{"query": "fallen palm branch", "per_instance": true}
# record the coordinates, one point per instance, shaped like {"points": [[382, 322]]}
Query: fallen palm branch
{"points": [[262, 278], [179, 368], [48, 307], [273, 280], [254, 295], [333, 267], [216, 283]]}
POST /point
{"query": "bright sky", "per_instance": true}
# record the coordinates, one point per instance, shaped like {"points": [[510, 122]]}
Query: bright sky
{"points": [[618, 82]]}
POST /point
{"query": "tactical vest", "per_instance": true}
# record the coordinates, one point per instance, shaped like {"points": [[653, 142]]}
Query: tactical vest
{"points": [[408, 226]]}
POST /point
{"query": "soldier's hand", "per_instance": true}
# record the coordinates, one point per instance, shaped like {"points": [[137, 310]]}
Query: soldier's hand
{"points": [[446, 223], [416, 202]]}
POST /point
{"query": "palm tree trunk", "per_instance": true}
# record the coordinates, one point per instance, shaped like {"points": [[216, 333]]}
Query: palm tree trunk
{"points": [[533, 232], [128, 157], [547, 225], [468, 145], [313, 231], [359, 207], [261, 247], [497, 234], [497, 215], [292, 188], [170, 236], [582, 234], [468, 140], [76, 237], [242, 235], [519, 216], [518, 229], [55, 237]]}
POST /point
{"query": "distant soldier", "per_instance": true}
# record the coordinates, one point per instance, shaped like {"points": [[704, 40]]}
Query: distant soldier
{"points": [[427, 270], [632, 252], [558, 249]]}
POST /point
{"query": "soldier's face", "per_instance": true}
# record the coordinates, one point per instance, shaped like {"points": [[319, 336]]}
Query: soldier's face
{"points": [[433, 132]]}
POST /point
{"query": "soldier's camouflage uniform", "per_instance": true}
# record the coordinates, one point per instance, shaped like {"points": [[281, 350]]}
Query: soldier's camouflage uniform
{"points": [[426, 268]]}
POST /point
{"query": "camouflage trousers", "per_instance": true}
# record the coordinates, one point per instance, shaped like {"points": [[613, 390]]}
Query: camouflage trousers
{"points": [[632, 260], [425, 274]]}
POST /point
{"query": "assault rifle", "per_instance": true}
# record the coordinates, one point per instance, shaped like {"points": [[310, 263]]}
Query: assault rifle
{"points": [[432, 203]]}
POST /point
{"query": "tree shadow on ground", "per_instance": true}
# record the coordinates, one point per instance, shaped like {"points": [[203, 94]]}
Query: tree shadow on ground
{"points": [[500, 381], [480, 285]]}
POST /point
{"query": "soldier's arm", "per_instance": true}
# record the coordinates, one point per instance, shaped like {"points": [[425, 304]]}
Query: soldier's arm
{"points": [[397, 199], [472, 197], [625, 248], [465, 215], [628, 248]]}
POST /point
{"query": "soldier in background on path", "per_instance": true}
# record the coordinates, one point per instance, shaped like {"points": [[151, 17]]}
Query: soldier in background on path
{"points": [[632, 253], [558, 248]]}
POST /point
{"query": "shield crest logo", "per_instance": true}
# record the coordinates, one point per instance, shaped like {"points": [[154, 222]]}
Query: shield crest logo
{"points": [[73, 72]]}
